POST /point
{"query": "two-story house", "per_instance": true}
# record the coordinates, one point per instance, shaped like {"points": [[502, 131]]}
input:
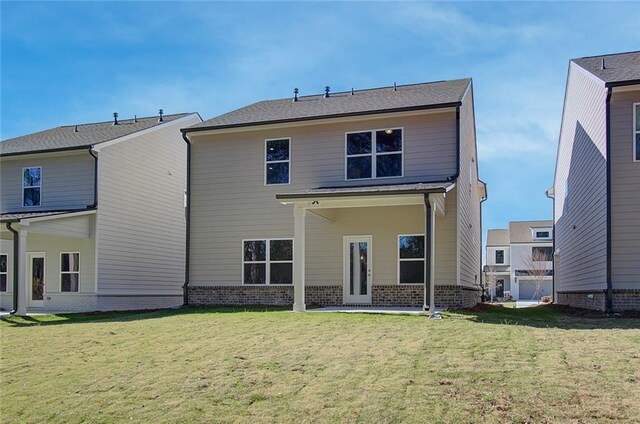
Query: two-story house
{"points": [[596, 186], [519, 260], [365, 197], [93, 216]]}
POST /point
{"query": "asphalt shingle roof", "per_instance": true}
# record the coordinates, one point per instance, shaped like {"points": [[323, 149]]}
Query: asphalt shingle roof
{"points": [[520, 231], [66, 137], [620, 67], [341, 104], [498, 237]]}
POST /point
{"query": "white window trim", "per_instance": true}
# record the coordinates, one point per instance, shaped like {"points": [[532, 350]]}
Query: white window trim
{"points": [[23, 186], [535, 232], [267, 262], [5, 273], [373, 154], [266, 163], [635, 132], [408, 259], [69, 272]]}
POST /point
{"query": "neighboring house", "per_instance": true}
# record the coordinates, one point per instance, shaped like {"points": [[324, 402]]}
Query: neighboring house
{"points": [[519, 260], [93, 216], [596, 187], [326, 200]]}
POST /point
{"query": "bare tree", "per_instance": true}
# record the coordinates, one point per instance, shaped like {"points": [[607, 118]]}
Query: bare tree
{"points": [[537, 270], [491, 280]]}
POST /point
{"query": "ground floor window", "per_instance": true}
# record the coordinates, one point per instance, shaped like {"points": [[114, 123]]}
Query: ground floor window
{"points": [[69, 272], [3, 273], [411, 260], [268, 261]]}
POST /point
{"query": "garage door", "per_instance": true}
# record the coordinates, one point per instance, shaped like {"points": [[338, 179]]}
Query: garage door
{"points": [[528, 290]]}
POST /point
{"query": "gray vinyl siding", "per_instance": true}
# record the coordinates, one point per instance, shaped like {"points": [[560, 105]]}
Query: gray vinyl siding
{"points": [[580, 218], [67, 181], [229, 201], [141, 220], [625, 194], [468, 198]]}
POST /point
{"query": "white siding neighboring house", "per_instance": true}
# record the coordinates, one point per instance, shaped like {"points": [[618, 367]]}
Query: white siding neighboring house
{"points": [[512, 260], [369, 197], [596, 186], [93, 216]]}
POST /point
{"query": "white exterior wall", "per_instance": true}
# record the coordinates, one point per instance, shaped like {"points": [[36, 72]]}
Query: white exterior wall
{"points": [[580, 217], [60, 173], [520, 255], [491, 255], [469, 253], [229, 200], [141, 216]]}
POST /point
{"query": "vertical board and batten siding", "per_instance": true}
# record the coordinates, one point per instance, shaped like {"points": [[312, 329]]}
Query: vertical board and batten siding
{"points": [[229, 201], [67, 181], [625, 193], [581, 220], [141, 216], [468, 199]]}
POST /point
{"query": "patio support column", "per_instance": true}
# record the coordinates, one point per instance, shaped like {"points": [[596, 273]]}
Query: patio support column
{"points": [[22, 274], [427, 253], [432, 258], [299, 215]]}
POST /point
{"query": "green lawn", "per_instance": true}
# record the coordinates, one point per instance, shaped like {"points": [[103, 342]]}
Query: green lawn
{"points": [[223, 365]]}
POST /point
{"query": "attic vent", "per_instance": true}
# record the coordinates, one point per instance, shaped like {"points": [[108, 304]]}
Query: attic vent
{"points": [[115, 118], [327, 89], [295, 94], [160, 113]]}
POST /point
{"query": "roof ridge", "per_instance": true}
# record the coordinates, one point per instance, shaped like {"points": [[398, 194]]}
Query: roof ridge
{"points": [[605, 55], [367, 89], [120, 120]]}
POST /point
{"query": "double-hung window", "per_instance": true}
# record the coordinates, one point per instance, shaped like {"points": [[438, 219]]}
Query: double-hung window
{"points": [[31, 186], [267, 261], [499, 257], [411, 259], [69, 272], [542, 254], [277, 161], [3, 273], [374, 154], [636, 132]]}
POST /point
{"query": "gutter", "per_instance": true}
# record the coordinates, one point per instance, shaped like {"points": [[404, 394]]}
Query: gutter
{"points": [[37, 152], [95, 180], [16, 266], [486, 196], [457, 174], [609, 292], [187, 253]]}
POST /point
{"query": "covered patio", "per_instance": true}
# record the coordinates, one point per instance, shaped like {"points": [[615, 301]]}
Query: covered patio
{"points": [[28, 269], [322, 203]]}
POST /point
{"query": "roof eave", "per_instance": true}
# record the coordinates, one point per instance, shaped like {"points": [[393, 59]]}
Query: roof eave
{"points": [[320, 117], [290, 196], [622, 83], [35, 152]]}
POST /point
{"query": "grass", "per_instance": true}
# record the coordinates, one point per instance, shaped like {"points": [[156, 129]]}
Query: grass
{"points": [[231, 365]]}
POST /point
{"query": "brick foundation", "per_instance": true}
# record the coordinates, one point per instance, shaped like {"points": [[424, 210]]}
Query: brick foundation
{"points": [[623, 300], [447, 296]]}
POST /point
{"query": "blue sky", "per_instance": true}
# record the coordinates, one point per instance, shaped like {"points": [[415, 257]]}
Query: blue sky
{"points": [[67, 62]]}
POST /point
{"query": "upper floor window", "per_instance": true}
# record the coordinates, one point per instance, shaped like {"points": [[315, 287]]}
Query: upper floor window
{"points": [[636, 132], [3, 273], [277, 161], [542, 254], [499, 256], [542, 233], [31, 186], [374, 154]]}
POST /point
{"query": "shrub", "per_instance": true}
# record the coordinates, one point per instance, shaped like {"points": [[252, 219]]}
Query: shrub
{"points": [[546, 299]]}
